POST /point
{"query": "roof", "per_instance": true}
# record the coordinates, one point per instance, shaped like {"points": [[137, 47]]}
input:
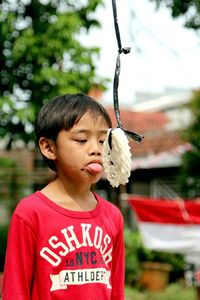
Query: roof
{"points": [[154, 144], [157, 138], [140, 122]]}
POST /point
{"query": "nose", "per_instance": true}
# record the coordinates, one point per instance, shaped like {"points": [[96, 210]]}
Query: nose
{"points": [[96, 153], [95, 148]]}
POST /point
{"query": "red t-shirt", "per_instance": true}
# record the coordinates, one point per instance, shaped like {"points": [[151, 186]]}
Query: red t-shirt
{"points": [[54, 253]]}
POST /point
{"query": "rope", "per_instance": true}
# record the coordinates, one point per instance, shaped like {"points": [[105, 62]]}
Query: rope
{"points": [[137, 137]]}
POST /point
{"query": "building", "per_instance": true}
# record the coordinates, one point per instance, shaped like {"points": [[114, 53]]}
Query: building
{"points": [[157, 159]]}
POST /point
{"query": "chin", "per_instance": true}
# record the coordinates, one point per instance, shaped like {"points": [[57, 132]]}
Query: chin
{"points": [[95, 181], [95, 178]]}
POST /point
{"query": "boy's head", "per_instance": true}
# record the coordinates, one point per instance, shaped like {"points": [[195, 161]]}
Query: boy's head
{"points": [[63, 112]]}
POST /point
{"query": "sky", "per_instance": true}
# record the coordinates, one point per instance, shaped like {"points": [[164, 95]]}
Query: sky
{"points": [[164, 55]]}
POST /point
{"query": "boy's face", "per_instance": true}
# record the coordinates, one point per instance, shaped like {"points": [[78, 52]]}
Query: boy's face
{"points": [[78, 152]]}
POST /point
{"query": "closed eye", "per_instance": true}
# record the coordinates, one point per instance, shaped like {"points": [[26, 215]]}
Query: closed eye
{"points": [[101, 141], [81, 141]]}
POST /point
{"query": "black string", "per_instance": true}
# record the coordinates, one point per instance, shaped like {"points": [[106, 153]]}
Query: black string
{"points": [[126, 50], [116, 25]]}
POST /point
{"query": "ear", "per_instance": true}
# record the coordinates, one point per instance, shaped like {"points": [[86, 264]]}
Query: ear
{"points": [[47, 147]]}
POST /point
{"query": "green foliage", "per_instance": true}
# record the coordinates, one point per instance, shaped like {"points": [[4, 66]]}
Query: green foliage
{"points": [[172, 292], [41, 56], [190, 175], [132, 263], [190, 9], [136, 254], [3, 243], [6, 162]]}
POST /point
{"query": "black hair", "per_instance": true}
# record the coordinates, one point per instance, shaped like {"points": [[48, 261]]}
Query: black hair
{"points": [[63, 112]]}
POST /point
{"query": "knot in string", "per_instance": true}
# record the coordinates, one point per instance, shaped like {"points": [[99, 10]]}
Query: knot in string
{"points": [[125, 50]]}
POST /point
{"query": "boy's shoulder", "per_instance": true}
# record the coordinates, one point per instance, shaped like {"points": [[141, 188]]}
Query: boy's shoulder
{"points": [[108, 206], [27, 204], [111, 215]]}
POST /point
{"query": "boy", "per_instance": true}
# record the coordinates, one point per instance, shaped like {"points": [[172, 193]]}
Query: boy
{"points": [[66, 242]]}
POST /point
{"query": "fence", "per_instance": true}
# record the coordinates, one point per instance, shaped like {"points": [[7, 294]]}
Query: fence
{"points": [[15, 184]]}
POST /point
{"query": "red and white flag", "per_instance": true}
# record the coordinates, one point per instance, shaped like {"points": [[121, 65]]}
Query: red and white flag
{"points": [[168, 225]]}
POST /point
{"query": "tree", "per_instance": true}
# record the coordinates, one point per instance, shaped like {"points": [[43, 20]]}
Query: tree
{"points": [[189, 172], [41, 56], [190, 175], [189, 8]]}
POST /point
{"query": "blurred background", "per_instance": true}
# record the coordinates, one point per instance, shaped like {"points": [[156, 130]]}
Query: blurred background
{"points": [[53, 47]]}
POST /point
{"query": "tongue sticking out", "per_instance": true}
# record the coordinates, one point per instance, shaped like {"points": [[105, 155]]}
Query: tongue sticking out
{"points": [[94, 168]]}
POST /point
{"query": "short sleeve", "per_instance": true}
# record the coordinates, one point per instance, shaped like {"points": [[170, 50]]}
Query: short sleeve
{"points": [[18, 270]]}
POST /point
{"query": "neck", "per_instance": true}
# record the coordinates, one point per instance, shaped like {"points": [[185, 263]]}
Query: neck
{"points": [[74, 197]]}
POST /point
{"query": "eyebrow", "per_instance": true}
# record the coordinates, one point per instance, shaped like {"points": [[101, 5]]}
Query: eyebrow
{"points": [[103, 131]]}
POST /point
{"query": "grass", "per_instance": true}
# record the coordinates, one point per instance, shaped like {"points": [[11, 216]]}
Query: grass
{"points": [[172, 292]]}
